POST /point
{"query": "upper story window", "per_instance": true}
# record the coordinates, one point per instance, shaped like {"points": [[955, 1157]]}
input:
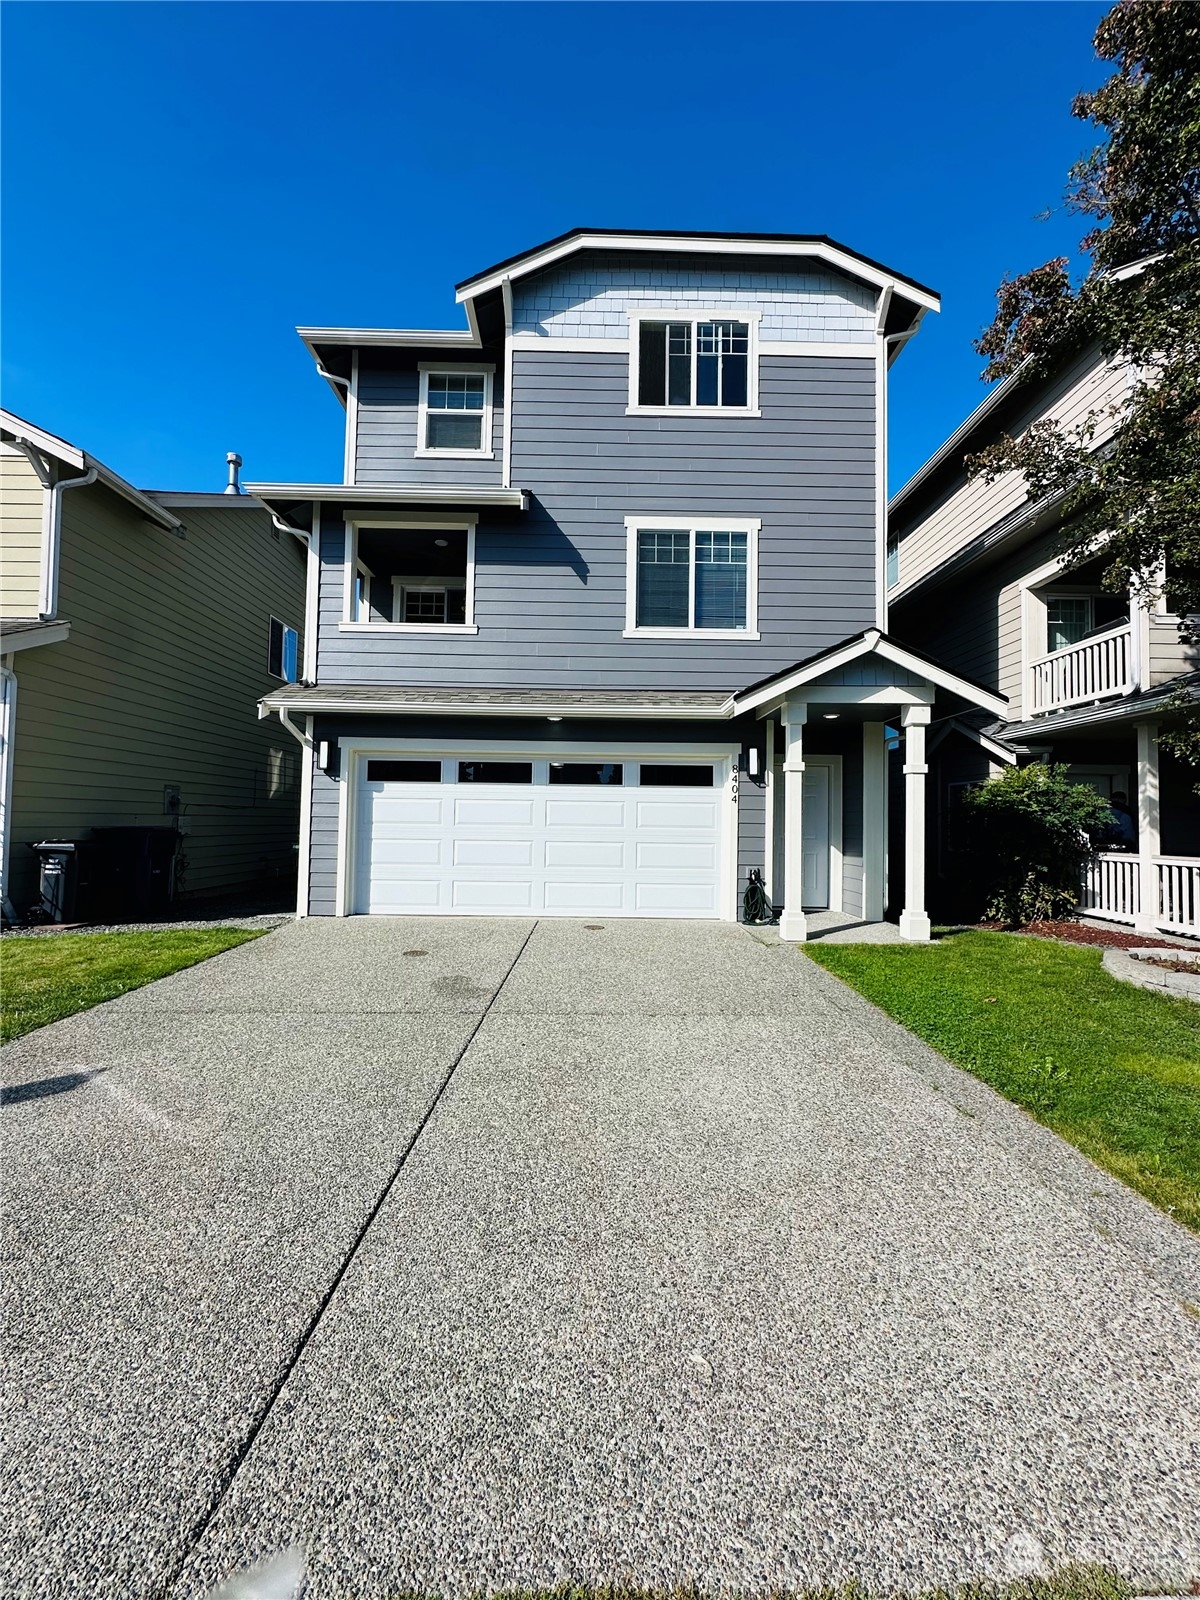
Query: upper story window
{"points": [[455, 412], [706, 363], [690, 577], [1072, 618], [282, 651]]}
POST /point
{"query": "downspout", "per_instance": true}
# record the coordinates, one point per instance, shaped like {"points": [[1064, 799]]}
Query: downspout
{"points": [[8, 728], [506, 296], [51, 525]]}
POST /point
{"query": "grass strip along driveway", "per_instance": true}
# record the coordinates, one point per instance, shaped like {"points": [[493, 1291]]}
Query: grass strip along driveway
{"points": [[1113, 1069], [49, 976]]}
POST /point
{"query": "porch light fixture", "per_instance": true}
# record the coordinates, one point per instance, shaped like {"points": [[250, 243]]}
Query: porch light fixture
{"points": [[553, 719], [441, 543], [831, 716]]}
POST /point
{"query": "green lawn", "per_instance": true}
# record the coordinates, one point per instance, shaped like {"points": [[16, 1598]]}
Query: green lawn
{"points": [[1112, 1068], [51, 975]]}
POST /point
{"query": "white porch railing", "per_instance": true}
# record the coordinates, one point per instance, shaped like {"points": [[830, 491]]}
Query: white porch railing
{"points": [[1178, 893], [1093, 669], [1111, 888]]}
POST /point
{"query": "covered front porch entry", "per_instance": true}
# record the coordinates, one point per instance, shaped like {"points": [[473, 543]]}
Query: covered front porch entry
{"points": [[829, 722]]}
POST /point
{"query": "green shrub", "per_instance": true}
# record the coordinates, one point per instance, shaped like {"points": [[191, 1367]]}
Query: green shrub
{"points": [[1030, 831]]}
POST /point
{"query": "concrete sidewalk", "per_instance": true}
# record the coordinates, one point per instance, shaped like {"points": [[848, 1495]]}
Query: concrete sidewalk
{"points": [[692, 1273]]}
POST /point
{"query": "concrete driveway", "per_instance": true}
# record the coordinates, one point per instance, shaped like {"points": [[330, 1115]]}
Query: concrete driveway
{"points": [[481, 1253]]}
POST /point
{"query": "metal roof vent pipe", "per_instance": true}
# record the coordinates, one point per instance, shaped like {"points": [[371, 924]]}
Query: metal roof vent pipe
{"points": [[234, 463]]}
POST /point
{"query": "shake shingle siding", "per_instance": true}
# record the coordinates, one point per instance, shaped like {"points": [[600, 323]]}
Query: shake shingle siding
{"points": [[551, 584]]}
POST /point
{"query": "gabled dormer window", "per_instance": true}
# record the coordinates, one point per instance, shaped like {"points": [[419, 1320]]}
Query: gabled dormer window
{"points": [[455, 413], [703, 363]]}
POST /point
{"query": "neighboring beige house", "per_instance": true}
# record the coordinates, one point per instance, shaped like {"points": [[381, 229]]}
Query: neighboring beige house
{"points": [[976, 577], [137, 632]]}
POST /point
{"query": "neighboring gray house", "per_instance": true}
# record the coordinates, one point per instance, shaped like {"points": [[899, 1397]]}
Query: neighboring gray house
{"points": [[977, 574], [597, 619], [138, 630]]}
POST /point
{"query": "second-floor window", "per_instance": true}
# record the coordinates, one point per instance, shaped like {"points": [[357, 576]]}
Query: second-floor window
{"points": [[455, 412], [692, 577], [1071, 618], [703, 364], [282, 651]]}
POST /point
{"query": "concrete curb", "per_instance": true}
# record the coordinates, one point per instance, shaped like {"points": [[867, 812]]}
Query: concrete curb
{"points": [[1136, 969]]}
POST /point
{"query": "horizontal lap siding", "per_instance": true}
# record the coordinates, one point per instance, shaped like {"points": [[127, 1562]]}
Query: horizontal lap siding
{"points": [[1170, 657], [20, 536], [157, 686], [387, 435], [550, 585], [968, 509]]}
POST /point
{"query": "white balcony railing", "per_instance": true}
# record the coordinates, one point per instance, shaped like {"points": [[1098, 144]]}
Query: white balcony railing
{"points": [[1111, 888], [1093, 669]]}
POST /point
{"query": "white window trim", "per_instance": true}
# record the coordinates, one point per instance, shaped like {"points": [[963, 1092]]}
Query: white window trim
{"points": [[427, 523], [355, 751], [486, 451], [750, 526], [693, 315]]}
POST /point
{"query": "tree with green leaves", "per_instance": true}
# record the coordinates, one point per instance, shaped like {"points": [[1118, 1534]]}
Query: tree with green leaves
{"points": [[1135, 499]]}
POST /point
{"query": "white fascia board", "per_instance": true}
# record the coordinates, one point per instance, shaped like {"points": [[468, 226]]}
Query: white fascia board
{"points": [[400, 337], [871, 643], [850, 265], [49, 444], [548, 708], [52, 633], [1002, 752], [391, 494]]}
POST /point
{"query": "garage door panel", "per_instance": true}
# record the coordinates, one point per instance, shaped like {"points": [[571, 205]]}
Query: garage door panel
{"points": [[610, 853], [677, 814], [699, 857], [489, 813], [490, 894], [586, 813], [583, 899], [538, 849], [493, 852]]}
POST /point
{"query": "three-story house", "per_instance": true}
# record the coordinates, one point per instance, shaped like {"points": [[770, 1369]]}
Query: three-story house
{"points": [[598, 617]]}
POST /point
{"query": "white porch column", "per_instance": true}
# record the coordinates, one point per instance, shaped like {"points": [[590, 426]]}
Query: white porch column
{"points": [[914, 920], [793, 924], [1149, 837], [874, 820]]}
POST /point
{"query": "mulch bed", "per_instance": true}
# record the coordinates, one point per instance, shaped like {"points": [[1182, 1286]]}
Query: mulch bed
{"points": [[1083, 933]]}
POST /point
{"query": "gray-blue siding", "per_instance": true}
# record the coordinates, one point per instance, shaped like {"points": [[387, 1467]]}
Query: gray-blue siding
{"points": [[550, 584], [386, 440]]}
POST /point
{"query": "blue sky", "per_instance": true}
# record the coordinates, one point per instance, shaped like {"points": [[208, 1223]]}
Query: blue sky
{"points": [[184, 183]]}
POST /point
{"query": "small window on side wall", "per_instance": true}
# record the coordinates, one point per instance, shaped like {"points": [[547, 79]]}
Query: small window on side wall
{"points": [[282, 651], [455, 413]]}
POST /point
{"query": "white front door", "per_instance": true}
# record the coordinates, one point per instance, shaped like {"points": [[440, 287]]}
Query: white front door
{"points": [[554, 835], [815, 836]]}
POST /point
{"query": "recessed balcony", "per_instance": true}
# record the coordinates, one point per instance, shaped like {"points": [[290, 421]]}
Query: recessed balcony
{"points": [[1097, 668]]}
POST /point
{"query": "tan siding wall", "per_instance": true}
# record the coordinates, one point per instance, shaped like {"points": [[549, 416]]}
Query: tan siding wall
{"points": [[157, 686], [970, 509], [1169, 656], [20, 536]]}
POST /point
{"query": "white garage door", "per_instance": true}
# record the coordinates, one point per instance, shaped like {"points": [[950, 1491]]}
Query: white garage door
{"points": [[552, 836]]}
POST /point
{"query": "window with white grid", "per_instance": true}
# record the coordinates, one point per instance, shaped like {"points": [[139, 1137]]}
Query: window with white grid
{"points": [[455, 413], [692, 578], [702, 363]]}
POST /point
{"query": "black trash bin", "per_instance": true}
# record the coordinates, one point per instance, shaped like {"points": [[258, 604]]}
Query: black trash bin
{"points": [[64, 880], [134, 875]]}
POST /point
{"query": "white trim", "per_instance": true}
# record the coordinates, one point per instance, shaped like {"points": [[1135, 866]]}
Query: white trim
{"points": [[568, 342], [350, 462], [737, 245], [401, 524], [8, 732], [48, 633], [390, 336], [429, 369], [914, 919], [694, 315], [665, 712], [692, 523], [506, 398], [839, 349], [432, 494], [837, 894], [867, 694], [48, 443], [871, 643], [304, 854], [793, 924], [1149, 838], [1002, 752], [881, 463], [353, 751]]}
